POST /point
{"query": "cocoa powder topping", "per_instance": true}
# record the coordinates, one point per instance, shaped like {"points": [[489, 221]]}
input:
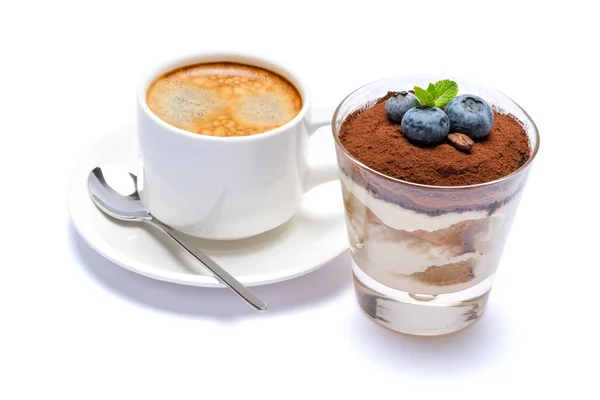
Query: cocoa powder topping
{"points": [[371, 138]]}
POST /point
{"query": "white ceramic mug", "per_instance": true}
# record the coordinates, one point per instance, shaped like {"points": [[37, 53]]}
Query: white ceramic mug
{"points": [[226, 187]]}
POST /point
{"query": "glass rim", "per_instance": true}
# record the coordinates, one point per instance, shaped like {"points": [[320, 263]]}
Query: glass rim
{"points": [[339, 144]]}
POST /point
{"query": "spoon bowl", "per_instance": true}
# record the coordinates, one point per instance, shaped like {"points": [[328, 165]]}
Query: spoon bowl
{"points": [[114, 192]]}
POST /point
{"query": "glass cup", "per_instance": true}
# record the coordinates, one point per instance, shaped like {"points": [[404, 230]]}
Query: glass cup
{"points": [[424, 257]]}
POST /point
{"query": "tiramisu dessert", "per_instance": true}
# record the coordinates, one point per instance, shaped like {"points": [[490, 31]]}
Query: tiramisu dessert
{"points": [[430, 190]]}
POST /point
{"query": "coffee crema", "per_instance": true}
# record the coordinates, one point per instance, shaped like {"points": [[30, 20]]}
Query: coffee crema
{"points": [[224, 99]]}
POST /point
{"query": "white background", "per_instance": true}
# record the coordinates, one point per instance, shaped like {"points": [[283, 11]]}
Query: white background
{"points": [[75, 326]]}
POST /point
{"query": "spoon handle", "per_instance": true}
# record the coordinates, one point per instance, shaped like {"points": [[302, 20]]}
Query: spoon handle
{"points": [[215, 268]]}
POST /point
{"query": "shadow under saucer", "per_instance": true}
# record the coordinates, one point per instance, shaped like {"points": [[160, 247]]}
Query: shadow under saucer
{"points": [[218, 303]]}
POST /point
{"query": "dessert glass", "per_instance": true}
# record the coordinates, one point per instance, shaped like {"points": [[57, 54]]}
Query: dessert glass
{"points": [[424, 257]]}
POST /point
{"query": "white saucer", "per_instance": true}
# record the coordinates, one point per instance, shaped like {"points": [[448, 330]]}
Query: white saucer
{"points": [[315, 236]]}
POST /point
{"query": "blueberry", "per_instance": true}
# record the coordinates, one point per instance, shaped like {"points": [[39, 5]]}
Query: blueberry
{"points": [[470, 115], [399, 104], [425, 125]]}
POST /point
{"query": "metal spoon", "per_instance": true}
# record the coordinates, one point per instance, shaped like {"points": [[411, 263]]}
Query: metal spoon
{"points": [[114, 191]]}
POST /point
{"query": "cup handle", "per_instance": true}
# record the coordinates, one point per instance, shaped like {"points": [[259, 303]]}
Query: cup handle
{"points": [[323, 172], [318, 118]]}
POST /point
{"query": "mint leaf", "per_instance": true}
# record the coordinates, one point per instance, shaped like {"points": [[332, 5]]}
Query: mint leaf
{"points": [[437, 94], [445, 91], [431, 89], [425, 97]]}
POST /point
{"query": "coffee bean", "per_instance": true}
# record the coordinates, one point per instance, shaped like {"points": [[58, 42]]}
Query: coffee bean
{"points": [[461, 141]]}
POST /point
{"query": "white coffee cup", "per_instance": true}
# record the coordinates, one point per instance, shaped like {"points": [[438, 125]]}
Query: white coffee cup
{"points": [[226, 187]]}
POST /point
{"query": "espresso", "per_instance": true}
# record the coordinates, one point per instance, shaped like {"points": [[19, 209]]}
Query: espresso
{"points": [[224, 99]]}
